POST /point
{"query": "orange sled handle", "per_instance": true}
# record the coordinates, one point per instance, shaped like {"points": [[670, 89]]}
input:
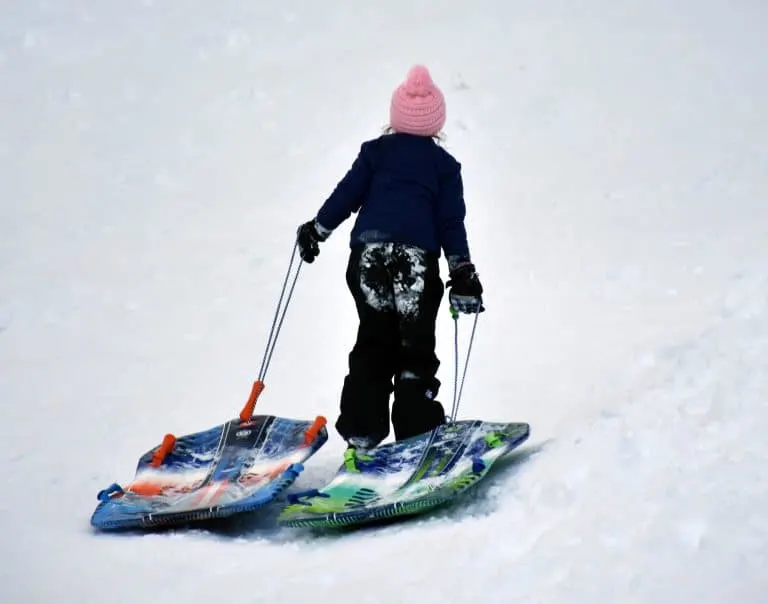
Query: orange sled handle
{"points": [[169, 441], [250, 404], [312, 432]]}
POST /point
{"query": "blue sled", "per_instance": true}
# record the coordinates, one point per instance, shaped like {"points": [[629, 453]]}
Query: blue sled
{"points": [[230, 469]]}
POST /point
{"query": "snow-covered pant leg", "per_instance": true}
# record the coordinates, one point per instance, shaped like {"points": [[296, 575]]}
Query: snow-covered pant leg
{"points": [[373, 359], [418, 291], [397, 291]]}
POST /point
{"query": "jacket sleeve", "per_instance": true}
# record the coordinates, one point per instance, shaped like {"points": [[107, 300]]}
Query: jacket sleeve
{"points": [[451, 212], [349, 193]]}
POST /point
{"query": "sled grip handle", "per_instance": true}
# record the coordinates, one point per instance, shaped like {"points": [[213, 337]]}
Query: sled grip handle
{"points": [[250, 404], [312, 432], [169, 441]]}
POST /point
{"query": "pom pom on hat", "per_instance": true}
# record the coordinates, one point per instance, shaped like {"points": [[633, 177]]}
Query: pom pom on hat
{"points": [[418, 105]]}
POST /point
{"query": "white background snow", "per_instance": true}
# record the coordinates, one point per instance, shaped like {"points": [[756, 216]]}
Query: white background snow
{"points": [[156, 157]]}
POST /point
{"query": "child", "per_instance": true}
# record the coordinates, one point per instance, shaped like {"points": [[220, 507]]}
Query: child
{"points": [[408, 193]]}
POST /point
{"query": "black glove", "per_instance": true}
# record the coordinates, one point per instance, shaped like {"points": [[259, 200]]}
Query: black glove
{"points": [[308, 237], [466, 291]]}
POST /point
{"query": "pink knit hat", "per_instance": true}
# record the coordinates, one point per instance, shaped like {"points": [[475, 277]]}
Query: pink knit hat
{"points": [[417, 106]]}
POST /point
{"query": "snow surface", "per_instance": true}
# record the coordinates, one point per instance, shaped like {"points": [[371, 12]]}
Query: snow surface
{"points": [[156, 158]]}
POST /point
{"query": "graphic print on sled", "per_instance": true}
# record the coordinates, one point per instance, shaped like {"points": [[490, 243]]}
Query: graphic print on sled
{"points": [[235, 467], [408, 477]]}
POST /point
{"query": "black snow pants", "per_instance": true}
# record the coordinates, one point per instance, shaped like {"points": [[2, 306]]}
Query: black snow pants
{"points": [[397, 291]]}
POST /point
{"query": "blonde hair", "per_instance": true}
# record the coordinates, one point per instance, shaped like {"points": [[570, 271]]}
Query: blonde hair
{"points": [[439, 138]]}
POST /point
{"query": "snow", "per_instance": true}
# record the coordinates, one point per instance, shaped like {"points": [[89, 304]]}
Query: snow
{"points": [[155, 161], [410, 266]]}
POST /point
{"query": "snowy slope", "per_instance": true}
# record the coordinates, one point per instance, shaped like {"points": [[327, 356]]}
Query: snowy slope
{"points": [[155, 160]]}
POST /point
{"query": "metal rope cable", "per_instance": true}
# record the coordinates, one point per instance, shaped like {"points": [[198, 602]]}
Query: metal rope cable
{"points": [[277, 322], [457, 390]]}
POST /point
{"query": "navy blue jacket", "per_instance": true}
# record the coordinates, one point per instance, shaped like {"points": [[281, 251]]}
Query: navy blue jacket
{"points": [[407, 189]]}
